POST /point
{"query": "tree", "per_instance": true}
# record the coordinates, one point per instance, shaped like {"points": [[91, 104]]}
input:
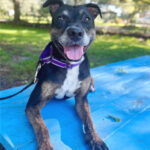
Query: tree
{"points": [[17, 14], [75, 2]]}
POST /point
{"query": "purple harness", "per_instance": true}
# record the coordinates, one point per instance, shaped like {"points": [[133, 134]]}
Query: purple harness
{"points": [[46, 57]]}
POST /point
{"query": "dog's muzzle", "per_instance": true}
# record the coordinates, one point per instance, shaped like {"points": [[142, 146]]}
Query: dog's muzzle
{"points": [[74, 51], [75, 33]]}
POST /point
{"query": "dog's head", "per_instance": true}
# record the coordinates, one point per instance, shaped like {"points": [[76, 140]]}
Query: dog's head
{"points": [[73, 26]]}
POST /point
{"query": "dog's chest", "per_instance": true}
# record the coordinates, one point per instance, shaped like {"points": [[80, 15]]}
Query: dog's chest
{"points": [[70, 84]]}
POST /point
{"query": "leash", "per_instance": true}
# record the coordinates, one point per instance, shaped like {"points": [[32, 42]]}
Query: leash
{"points": [[31, 83], [27, 86]]}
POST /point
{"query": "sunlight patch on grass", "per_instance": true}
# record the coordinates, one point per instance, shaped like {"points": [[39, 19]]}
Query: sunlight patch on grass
{"points": [[2, 31]]}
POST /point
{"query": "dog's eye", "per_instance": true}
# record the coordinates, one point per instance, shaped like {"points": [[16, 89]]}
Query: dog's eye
{"points": [[87, 19]]}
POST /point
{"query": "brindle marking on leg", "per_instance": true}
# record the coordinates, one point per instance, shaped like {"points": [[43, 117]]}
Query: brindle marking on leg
{"points": [[40, 129], [39, 97], [83, 110]]}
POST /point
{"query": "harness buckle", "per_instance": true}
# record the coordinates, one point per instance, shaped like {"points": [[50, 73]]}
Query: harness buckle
{"points": [[68, 66]]}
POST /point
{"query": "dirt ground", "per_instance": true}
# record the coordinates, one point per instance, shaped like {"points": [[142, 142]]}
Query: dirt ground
{"points": [[6, 84], [6, 80]]}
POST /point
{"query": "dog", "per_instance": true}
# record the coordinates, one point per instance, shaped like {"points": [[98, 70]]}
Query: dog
{"points": [[67, 72]]}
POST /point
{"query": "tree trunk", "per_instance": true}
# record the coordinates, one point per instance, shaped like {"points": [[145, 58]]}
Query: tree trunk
{"points": [[16, 11], [75, 2]]}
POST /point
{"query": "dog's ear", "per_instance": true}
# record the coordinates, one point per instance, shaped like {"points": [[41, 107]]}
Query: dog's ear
{"points": [[53, 4], [94, 10]]}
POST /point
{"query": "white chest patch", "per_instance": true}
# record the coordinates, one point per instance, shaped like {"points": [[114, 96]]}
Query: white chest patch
{"points": [[70, 85]]}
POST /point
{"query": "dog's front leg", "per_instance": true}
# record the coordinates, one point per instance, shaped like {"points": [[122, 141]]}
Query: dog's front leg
{"points": [[83, 110], [39, 97], [40, 129]]}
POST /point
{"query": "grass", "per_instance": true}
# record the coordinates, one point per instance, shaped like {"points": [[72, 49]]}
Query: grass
{"points": [[20, 48], [108, 49]]}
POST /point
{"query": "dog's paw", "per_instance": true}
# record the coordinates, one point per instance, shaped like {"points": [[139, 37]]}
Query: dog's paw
{"points": [[92, 88], [99, 145], [45, 146]]}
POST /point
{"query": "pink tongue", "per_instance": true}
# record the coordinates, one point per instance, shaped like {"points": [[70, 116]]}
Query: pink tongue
{"points": [[73, 52]]}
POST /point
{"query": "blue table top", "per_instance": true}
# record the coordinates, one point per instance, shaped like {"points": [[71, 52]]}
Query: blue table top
{"points": [[120, 109]]}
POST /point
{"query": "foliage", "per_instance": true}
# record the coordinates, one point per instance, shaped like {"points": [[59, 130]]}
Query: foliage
{"points": [[130, 9]]}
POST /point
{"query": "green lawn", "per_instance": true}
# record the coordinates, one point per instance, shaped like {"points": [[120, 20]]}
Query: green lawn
{"points": [[21, 46]]}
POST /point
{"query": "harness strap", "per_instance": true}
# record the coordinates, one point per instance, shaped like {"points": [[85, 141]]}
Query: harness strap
{"points": [[47, 57], [58, 63]]}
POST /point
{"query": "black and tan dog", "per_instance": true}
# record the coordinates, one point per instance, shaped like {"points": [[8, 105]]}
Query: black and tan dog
{"points": [[73, 31]]}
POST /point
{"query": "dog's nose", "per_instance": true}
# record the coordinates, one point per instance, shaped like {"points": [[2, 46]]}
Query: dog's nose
{"points": [[75, 33]]}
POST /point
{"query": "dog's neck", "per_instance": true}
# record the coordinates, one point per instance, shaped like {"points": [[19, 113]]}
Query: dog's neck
{"points": [[56, 52]]}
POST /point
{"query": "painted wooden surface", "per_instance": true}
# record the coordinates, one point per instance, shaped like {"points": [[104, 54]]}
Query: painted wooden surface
{"points": [[120, 110]]}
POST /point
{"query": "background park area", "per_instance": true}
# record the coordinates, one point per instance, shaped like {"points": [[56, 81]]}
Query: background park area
{"points": [[122, 33]]}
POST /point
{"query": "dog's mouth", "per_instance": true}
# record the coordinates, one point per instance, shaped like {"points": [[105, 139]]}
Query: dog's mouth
{"points": [[74, 52]]}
